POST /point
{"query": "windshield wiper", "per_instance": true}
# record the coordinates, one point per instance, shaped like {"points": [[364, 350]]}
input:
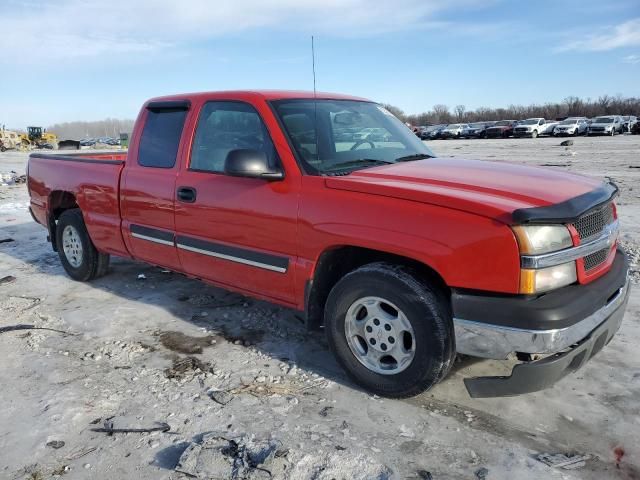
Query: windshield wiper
{"points": [[415, 156], [361, 161]]}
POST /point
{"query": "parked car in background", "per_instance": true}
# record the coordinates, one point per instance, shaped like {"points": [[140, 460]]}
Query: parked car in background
{"points": [[531, 127], [606, 125], [628, 121], [476, 130], [87, 142], [453, 130], [635, 129], [426, 133], [501, 129], [549, 127], [437, 133], [571, 126]]}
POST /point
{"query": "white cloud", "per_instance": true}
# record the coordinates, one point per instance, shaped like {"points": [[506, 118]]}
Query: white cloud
{"points": [[632, 59], [625, 34], [72, 29]]}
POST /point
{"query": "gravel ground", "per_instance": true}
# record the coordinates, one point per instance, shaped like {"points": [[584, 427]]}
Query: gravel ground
{"points": [[243, 387]]}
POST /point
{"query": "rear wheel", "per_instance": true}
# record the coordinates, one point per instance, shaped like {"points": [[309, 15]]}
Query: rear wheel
{"points": [[77, 253], [390, 330]]}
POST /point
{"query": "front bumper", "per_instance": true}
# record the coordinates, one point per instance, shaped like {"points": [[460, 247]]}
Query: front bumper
{"points": [[579, 335]]}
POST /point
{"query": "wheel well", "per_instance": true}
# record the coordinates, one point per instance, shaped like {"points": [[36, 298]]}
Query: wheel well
{"points": [[59, 201], [335, 263]]}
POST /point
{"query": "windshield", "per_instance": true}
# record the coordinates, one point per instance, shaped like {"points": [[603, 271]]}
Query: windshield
{"points": [[531, 121], [503, 123], [603, 120], [453, 126], [332, 136], [568, 122], [476, 125]]}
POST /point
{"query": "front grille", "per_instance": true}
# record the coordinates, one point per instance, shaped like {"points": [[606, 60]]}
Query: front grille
{"points": [[595, 259], [593, 222]]}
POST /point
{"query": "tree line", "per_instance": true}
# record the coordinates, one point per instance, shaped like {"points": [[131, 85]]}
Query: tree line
{"points": [[569, 107], [110, 127]]}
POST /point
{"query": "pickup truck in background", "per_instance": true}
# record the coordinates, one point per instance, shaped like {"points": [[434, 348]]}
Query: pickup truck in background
{"points": [[531, 127], [402, 258]]}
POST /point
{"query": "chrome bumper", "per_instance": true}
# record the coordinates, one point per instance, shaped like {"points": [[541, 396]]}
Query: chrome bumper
{"points": [[497, 342]]}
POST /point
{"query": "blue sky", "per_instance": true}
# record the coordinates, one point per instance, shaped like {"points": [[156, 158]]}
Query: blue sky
{"points": [[95, 59]]}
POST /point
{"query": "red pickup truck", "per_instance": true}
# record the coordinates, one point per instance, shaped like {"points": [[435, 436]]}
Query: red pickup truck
{"points": [[328, 204]]}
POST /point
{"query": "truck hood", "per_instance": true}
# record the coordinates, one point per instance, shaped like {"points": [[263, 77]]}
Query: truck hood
{"points": [[490, 189]]}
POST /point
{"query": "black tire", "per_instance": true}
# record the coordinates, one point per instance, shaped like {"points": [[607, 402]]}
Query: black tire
{"points": [[534, 134], [92, 263], [425, 306]]}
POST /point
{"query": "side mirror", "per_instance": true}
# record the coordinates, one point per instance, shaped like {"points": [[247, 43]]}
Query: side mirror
{"points": [[250, 163]]}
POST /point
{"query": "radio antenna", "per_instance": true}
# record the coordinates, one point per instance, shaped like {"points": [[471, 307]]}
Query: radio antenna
{"points": [[313, 65], [315, 100]]}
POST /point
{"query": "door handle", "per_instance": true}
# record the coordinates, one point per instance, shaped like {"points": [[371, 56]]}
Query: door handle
{"points": [[187, 194]]}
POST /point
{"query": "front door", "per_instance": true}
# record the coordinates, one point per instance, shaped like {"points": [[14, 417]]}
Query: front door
{"points": [[238, 232]]}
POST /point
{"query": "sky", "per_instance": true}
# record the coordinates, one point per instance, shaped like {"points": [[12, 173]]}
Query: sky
{"points": [[91, 59]]}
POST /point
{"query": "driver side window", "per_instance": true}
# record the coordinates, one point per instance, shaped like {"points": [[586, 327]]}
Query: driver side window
{"points": [[226, 126]]}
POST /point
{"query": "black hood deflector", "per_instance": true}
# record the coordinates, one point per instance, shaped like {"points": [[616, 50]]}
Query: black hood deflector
{"points": [[569, 210]]}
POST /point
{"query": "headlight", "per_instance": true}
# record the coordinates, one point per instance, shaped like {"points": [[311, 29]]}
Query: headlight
{"points": [[537, 239], [545, 279]]}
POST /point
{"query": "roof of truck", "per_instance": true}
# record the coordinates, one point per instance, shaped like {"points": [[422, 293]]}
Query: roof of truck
{"points": [[264, 94]]}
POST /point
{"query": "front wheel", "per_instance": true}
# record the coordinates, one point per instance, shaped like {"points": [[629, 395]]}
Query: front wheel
{"points": [[534, 134], [390, 330], [77, 253]]}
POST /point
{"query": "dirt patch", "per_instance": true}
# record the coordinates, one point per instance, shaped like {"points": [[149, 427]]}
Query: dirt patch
{"points": [[181, 343], [184, 366]]}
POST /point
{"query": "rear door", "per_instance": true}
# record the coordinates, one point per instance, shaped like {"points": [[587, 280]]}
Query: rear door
{"points": [[239, 232], [148, 186]]}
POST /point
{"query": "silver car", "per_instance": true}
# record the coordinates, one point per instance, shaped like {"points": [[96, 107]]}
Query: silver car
{"points": [[571, 126], [606, 125]]}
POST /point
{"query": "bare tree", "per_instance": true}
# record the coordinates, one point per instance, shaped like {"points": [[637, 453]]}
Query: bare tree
{"points": [[570, 106]]}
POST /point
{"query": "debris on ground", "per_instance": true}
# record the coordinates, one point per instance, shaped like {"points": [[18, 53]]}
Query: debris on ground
{"points": [[7, 279], [618, 452], [220, 396], [566, 143], [11, 328], [142, 276], [482, 473], [325, 411], [424, 475], [184, 366], [234, 458], [6, 240], [555, 164], [560, 460], [76, 454], [110, 427], [179, 342], [55, 444], [11, 178], [219, 455]]}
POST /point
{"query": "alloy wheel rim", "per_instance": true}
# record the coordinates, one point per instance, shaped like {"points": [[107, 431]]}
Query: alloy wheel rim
{"points": [[72, 246], [380, 335]]}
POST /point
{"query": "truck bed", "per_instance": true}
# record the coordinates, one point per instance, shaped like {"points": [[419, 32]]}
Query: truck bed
{"points": [[91, 181]]}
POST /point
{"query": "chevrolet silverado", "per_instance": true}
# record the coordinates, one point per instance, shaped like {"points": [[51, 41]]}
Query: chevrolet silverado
{"points": [[402, 258]]}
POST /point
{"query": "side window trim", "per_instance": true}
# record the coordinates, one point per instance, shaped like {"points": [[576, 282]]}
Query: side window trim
{"points": [[267, 133]]}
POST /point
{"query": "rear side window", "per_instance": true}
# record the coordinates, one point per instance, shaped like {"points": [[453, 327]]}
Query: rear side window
{"points": [[161, 138]]}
